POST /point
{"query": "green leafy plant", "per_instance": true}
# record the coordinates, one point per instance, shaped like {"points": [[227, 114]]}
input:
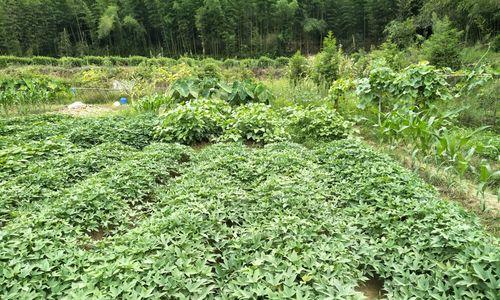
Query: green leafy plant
{"points": [[339, 90], [255, 122], [401, 33], [31, 92], [153, 103], [242, 92], [283, 220], [422, 84], [298, 67], [326, 63], [318, 123], [194, 121], [442, 49], [488, 177]]}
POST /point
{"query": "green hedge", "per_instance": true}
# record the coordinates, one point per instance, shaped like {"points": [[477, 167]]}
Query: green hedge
{"points": [[72, 62]]}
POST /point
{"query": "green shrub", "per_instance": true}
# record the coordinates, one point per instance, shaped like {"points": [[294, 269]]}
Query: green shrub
{"points": [[242, 92], [417, 86], [71, 62], [442, 49], [496, 43], [31, 93], [94, 60], [401, 33], [326, 63], [210, 70], [256, 122], [297, 67], [318, 123], [231, 63], [136, 60], [195, 121], [265, 62], [43, 60], [6, 61], [282, 61], [153, 103]]}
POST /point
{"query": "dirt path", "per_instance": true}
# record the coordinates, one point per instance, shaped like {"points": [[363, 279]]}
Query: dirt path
{"points": [[92, 110]]}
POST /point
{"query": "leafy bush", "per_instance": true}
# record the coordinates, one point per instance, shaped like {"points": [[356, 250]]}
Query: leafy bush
{"points": [[496, 43], [256, 122], [31, 91], [298, 67], [422, 84], [153, 103], [339, 90], [43, 60], [210, 70], [265, 62], [195, 121], [282, 61], [442, 49], [231, 63], [417, 85], [379, 85], [71, 62], [326, 63], [401, 33], [243, 92], [318, 123]]}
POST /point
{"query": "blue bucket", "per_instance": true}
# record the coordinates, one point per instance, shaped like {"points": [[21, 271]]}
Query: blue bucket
{"points": [[123, 101]]}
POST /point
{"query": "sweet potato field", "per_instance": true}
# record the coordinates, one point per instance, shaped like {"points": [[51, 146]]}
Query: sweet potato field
{"points": [[106, 208]]}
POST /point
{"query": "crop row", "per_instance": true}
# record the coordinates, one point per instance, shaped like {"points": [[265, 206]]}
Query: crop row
{"points": [[262, 62]]}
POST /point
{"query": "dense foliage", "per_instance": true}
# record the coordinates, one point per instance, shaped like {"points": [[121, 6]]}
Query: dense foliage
{"points": [[255, 123], [218, 27], [196, 121], [226, 221], [34, 91], [204, 120], [110, 61]]}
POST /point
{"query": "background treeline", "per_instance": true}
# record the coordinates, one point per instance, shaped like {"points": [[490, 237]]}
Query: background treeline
{"points": [[219, 28]]}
